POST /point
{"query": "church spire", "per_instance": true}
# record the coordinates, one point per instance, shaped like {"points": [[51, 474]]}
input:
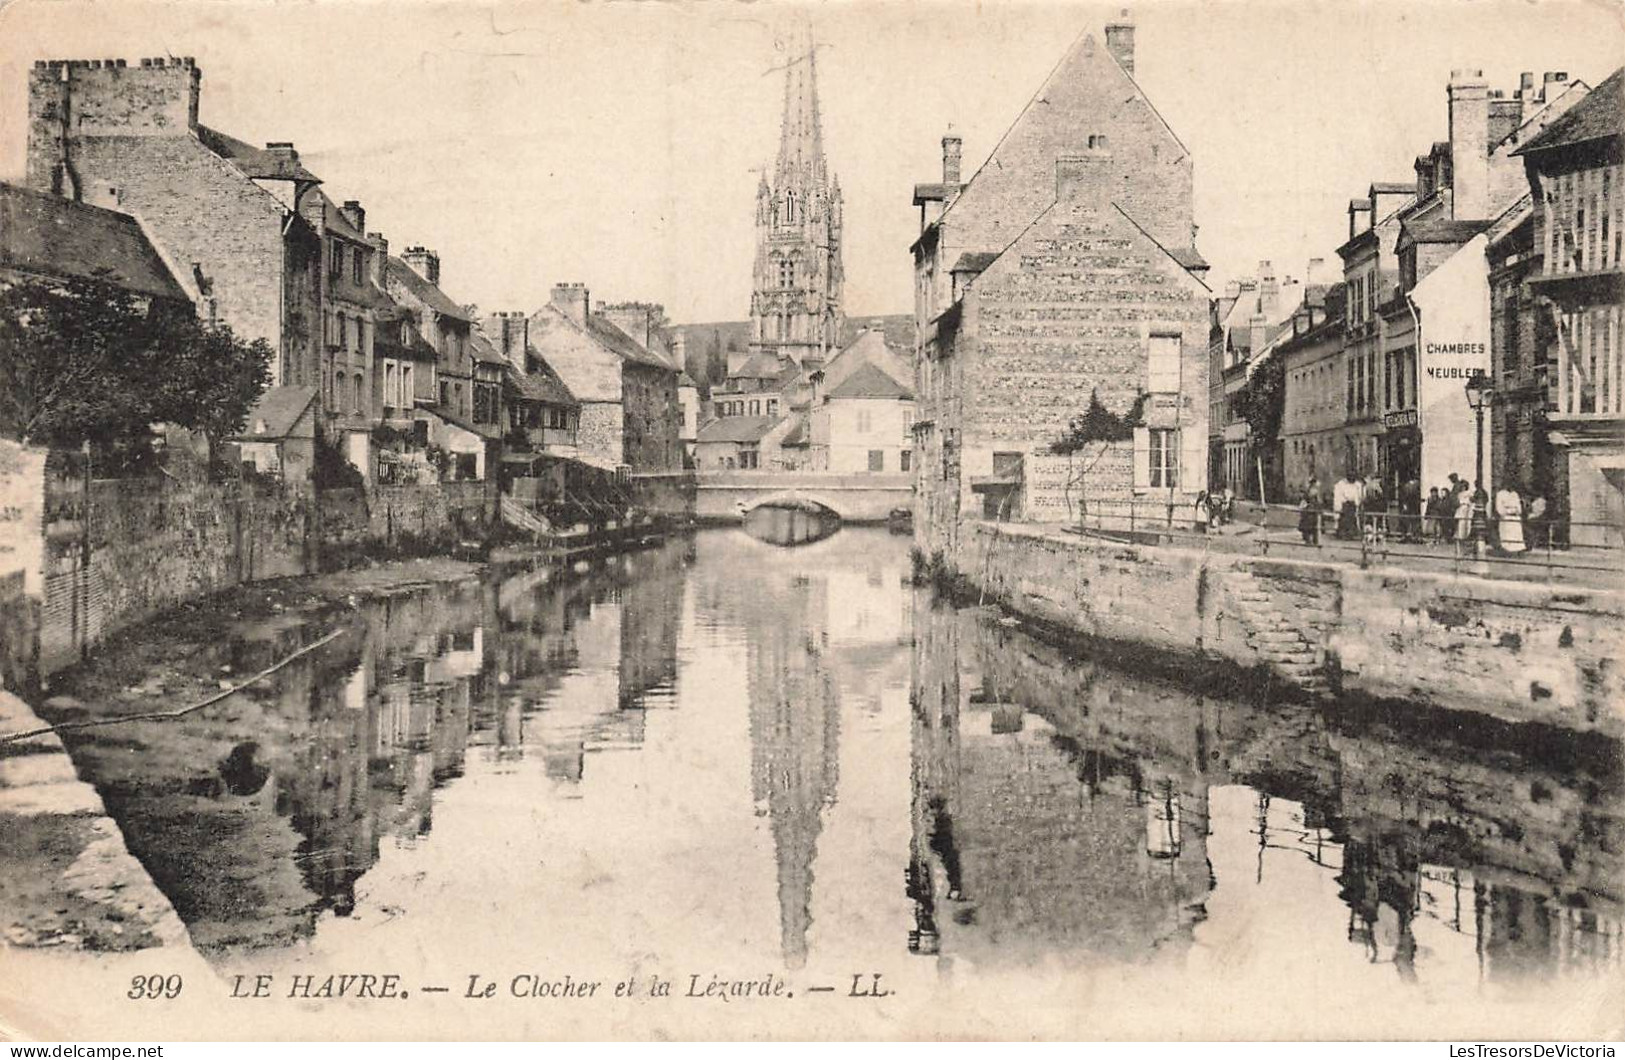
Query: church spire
{"points": [[801, 137]]}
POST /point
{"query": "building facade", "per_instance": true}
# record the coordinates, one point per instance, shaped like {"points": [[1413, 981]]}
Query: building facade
{"points": [[1064, 268], [795, 304]]}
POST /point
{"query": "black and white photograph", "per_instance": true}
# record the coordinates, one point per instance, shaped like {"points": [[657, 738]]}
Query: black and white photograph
{"points": [[883, 520]]}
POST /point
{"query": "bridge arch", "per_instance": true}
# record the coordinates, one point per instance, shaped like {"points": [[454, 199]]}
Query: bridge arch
{"points": [[785, 497]]}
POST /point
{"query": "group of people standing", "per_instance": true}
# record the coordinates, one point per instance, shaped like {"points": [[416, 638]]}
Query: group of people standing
{"points": [[1459, 513]]}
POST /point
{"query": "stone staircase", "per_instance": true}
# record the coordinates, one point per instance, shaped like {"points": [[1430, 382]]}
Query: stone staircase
{"points": [[1274, 635]]}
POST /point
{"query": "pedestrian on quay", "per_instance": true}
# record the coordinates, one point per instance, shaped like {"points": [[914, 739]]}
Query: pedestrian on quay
{"points": [[1463, 522], [1430, 515], [1309, 513], [1346, 503], [1539, 530], [1203, 512], [1509, 519], [1374, 506], [1410, 509]]}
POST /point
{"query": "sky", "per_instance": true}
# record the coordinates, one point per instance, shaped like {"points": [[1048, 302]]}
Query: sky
{"points": [[619, 144]]}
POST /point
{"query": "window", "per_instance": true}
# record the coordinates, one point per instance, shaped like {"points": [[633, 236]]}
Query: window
{"points": [[772, 406], [359, 383], [355, 264], [390, 397], [755, 408], [863, 421], [877, 460], [335, 258], [1163, 358], [408, 387], [905, 460], [1156, 458], [748, 458]]}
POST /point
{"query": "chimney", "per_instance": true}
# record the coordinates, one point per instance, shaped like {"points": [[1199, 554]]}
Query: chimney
{"points": [[1120, 41], [1469, 145], [511, 333], [380, 257], [424, 262], [571, 299], [1269, 288], [1312, 273], [353, 213], [1526, 85], [951, 149], [1084, 179]]}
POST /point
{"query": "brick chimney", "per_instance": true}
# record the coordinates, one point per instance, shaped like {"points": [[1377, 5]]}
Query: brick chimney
{"points": [[1526, 85], [572, 300], [353, 213], [424, 262], [510, 331], [1311, 274], [1469, 96], [952, 146], [1120, 40], [1084, 179], [380, 256]]}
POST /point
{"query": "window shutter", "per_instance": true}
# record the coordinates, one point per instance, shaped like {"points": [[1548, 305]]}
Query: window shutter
{"points": [[1142, 457]]}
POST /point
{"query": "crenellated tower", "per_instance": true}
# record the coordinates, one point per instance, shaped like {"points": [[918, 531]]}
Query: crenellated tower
{"points": [[795, 306]]}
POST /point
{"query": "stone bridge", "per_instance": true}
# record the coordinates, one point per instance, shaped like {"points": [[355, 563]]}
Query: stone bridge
{"points": [[856, 498]]}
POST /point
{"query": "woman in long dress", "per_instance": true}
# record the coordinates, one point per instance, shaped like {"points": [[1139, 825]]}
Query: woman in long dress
{"points": [[1464, 516], [1509, 519]]}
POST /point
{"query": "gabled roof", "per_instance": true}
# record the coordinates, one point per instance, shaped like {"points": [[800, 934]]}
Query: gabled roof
{"points": [[540, 384], [256, 162], [870, 382], [1599, 116], [275, 413], [737, 429], [424, 291], [52, 236]]}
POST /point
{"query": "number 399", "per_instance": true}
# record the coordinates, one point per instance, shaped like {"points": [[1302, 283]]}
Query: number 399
{"points": [[153, 987]]}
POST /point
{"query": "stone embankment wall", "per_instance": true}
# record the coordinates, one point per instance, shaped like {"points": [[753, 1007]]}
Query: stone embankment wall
{"points": [[1517, 651], [120, 551], [668, 493]]}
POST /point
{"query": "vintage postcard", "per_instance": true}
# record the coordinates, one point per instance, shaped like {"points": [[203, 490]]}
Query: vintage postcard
{"points": [[871, 520]]}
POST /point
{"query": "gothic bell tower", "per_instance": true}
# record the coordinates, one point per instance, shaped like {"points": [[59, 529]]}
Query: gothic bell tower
{"points": [[795, 306]]}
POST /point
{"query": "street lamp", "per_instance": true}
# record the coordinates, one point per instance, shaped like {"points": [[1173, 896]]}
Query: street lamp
{"points": [[1480, 394]]}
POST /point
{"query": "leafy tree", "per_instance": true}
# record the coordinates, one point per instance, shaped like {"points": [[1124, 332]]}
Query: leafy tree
{"points": [[85, 360], [1098, 426], [716, 362], [1263, 400], [72, 355]]}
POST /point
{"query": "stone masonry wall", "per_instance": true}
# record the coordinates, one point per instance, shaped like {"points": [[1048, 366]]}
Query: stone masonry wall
{"points": [[1517, 651]]}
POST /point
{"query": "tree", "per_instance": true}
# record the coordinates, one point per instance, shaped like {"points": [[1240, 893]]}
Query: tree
{"points": [[1261, 403], [716, 362], [1097, 426], [83, 360], [70, 362]]}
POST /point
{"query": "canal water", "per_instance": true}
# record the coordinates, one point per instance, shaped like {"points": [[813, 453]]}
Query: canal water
{"points": [[722, 757]]}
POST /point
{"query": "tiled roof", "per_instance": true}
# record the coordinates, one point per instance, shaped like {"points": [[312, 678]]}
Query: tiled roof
{"points": [[760, 366], [623, 344], [737, 429], [870, 382], [52, 236], [423, 290], [276, 411], [541, 384], [480, 348], [1442, 230], [254, 161], [1600, 115]]}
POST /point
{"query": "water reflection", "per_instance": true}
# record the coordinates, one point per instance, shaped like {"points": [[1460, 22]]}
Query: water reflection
{"points": [[1067, 811], [720, 746], [787, 525]]}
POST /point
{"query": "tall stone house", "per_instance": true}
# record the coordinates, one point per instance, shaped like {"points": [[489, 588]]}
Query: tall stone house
{"points": [[629, 414], [229, 216], [795, 304], [1064, 267]]}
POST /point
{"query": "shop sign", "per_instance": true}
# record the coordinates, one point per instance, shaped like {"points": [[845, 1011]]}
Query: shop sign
{"points": [[1402, 418]]}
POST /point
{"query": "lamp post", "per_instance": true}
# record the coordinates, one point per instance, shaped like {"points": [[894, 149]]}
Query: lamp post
{"points": [[1480, 394]]}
